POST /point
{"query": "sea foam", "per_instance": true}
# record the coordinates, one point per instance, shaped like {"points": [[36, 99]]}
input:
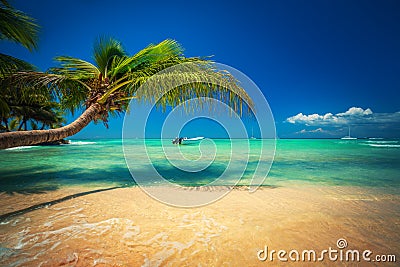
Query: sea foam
{"points": [[19, 147], [81, 143]]}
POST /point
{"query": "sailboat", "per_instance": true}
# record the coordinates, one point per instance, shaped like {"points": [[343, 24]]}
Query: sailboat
{"points": [[348, 137], [252, 133]]}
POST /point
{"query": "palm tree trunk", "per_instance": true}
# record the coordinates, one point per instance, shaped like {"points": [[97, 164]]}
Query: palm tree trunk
{"points": [[26, 138], [22, 124], [6, 124]]}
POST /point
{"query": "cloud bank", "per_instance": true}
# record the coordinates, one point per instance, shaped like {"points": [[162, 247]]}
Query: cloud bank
{"points": [[319, 130], [354, 115]]}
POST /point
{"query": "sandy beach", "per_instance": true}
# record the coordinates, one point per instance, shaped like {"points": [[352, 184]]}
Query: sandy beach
{"points": [[125, 227]]}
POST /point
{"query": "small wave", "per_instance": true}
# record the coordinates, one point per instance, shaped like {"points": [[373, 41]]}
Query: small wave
{"points": [[382, 142], [382, 145], [81, 143], [19, 147]]}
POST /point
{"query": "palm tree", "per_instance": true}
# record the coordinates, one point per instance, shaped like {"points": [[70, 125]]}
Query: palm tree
{"points": [[18, 27], [107, 86], [37, 112]]}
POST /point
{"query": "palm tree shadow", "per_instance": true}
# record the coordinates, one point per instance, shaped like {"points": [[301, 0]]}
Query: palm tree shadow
{"points": [[41, 179], [9, 215], [34, 190]]}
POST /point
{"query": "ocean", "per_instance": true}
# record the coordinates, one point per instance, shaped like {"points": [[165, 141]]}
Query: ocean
{"points": [[101, 163]]}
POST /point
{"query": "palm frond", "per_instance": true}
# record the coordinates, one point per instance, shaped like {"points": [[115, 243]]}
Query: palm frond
{"points": [[105, 49], [151, 60], [36, 79], [16, 92], [194, 81], [9, 64], [71, 93], [18, 27], [13, 124], [4, 107], [193, 78], [75, 68], [4, 2], [152, 53], [119, 65], [166, 49]]}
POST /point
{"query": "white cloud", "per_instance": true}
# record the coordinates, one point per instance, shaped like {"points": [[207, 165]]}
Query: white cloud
{"points": [[356, 112], [318, 130], [304, 118], [354, 115]]}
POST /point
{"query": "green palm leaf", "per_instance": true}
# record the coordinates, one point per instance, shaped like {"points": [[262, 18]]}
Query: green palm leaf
{"points": [[167, 49], [70, 92], [9, 64], [105, 49], [17, 26], [75, 68], [194, 81]]}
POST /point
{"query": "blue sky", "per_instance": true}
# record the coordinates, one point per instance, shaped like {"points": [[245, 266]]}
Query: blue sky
{"points": [[308, 57]]}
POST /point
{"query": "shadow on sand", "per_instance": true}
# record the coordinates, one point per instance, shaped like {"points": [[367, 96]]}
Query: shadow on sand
{"points": [[53, 202], [42, 179]]}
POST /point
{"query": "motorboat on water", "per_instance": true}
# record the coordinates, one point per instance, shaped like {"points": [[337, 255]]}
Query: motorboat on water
{"points": [[186, 140]]}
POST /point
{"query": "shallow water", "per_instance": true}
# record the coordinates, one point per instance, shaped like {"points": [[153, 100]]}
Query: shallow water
{"points": [[94, 163]]}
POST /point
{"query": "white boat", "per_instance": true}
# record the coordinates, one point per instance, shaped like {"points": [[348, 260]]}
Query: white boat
{"points": [[186, 141], [192, 140], [348, 137]]}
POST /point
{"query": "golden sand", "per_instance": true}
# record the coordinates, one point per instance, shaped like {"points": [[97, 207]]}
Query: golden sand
{"points": [[125, 227]]}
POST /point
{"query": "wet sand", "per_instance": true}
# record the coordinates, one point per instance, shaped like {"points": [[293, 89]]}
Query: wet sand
{"points": [[125, 227]]}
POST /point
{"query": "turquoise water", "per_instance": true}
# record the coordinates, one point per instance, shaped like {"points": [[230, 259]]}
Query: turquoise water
{"points": [[98, 163]]}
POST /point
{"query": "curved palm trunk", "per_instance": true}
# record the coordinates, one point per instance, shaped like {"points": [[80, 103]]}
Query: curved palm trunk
{"points": [[26, 138]]}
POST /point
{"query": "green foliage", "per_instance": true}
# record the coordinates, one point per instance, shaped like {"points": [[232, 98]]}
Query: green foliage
{"points": [[17, 26], [76, 69], [13, 124], [23, 105], [9, 64], [104, 51], [28, 101], [116, 77], [34, 126]]}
